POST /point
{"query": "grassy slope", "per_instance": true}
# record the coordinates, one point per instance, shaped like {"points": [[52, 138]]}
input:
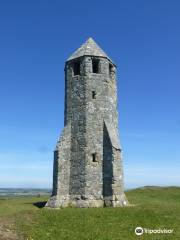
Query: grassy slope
{"points": [[154, 208]]}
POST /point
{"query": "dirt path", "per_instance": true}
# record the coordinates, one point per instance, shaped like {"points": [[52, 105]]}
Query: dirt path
{"points": [[7, 230]]}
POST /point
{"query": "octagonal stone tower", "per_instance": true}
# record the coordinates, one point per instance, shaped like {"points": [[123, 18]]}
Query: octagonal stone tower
{"points": [[88, 169]]}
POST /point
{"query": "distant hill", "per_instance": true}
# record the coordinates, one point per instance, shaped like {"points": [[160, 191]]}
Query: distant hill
{"points": [[24, 192]]}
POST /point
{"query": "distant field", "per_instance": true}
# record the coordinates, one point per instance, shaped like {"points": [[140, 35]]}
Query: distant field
{"points": [[154, 208], [23, 192]]}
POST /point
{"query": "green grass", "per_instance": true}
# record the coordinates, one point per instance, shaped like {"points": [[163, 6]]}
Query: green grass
{"points": [[154, 208]]}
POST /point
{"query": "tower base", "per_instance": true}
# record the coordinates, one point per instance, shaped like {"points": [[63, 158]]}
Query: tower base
{"points": [[81, 202]]}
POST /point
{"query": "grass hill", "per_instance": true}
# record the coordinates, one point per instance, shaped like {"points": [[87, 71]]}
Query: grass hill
{"points": [[152, 208]]}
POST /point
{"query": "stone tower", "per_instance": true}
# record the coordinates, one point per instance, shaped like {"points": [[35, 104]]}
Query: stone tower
{"points": [[88, 168]]}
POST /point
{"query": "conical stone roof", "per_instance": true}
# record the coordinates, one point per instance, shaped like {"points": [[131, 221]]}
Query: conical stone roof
{"points": [[89, 48]]}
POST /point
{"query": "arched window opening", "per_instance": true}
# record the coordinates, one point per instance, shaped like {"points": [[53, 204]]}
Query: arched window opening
{"points": [[76, 68], [95, 65]]}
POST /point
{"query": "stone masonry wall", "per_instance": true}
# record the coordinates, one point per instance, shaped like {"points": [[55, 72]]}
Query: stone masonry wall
{"points": [[88, 163]]}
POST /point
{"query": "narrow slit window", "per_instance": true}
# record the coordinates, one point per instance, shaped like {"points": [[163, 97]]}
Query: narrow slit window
{"points": [[110, 69], [95, 65], [93, 95], [94, 157], [76, 68]]}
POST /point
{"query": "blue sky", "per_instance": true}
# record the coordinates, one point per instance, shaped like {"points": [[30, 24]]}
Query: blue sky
{"points": [[142, 37]]}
